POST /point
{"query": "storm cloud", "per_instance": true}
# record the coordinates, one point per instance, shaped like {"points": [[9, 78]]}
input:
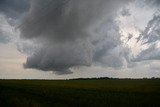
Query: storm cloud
{"points": [[70, 33], [117, 38], [14, 8], [150, 37], [10, 13]]}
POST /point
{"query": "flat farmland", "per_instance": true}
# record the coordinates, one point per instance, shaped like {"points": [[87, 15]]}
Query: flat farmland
{"points": [[80, 93]]}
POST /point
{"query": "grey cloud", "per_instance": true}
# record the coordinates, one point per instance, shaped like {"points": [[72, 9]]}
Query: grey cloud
{"points": [[153, 2], [151, 53], [152, 31], [115, 58], [108, 50], [4, 38], [60, 57], [150, 37], [10, 12], [155, 66], [71, 33], [129, 37], [125, 12], [14, 8], [5, 30], [74, 17]]}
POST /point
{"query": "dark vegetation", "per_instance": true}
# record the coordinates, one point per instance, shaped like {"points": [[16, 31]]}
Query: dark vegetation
{"points": [[102, 92]]}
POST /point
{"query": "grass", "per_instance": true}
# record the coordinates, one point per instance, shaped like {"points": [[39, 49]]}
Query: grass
{"points": [[80, 93]]}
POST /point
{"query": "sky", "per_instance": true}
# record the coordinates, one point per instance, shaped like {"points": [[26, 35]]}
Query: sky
{"points": [[62, 39]]}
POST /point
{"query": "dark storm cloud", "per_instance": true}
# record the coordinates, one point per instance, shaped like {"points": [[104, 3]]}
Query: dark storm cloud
{"points": [[71, 33], [60, 57], [64, 19], [13, 8]]}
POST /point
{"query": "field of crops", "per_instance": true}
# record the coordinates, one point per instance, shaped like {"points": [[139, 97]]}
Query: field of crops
{"points": [[80, 93]]}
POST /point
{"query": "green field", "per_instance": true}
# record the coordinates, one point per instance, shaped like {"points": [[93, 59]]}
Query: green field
{"points": [[80, 93]]}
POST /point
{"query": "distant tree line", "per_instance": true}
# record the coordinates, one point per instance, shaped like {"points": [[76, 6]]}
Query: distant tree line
{"points": [[110, 78]]}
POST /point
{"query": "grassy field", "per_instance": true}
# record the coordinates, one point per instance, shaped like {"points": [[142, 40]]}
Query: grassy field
{"points": [[80, 93]]}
